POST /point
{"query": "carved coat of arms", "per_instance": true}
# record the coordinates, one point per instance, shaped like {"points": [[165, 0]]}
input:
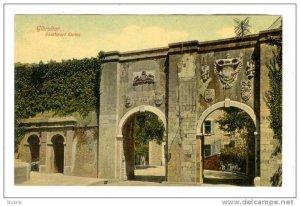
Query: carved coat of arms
{"points": [[144, 78], [227, 70], [250, 69], [205, 72], [209, 95], [246, 90]]}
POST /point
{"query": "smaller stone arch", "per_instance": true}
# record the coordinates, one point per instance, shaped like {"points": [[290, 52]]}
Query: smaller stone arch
{"points": [[141, 108], [34, 147], [58, 142], [223, 104], [30, 135]]}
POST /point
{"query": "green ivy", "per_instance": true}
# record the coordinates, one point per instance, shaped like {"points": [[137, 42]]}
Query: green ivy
{"points": [[274, 95], [61, 87]]}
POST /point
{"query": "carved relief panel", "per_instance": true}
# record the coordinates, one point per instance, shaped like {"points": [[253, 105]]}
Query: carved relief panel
{"points": [[205, 72], [245, 90], [209, 95], [128, 101], [227, 70], [143, 77], [250, 69], [158, 99], [186, 67]]}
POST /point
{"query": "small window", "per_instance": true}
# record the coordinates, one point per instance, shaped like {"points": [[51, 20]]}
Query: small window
{"points": [[207, 127], [207, 150]]}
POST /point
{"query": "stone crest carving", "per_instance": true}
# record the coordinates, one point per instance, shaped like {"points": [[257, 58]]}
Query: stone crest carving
{"points": [[209, 95], [158, 99], [227, 70], [246, 90], [250, 69], [128, 101], [205, 72], [144, 78]]}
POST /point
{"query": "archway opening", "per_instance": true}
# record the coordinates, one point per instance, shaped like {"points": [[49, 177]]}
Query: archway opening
{"points": [[228, 147], [58, 150], [143, 144], [34, 146]]}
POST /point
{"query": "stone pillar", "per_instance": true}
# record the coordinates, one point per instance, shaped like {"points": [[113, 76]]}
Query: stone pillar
{"points": [[128, 147], [68, 152], [174, 152], [269, 164], [256, 135], [199, 158], [155, 153], [163, 159], [43, 152], [120, 159], [109, 119], [182, 115]]}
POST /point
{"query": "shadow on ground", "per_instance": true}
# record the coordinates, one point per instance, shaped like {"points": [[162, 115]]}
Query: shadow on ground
{"points": [[158, 179], [236, 182], [226, 178]]}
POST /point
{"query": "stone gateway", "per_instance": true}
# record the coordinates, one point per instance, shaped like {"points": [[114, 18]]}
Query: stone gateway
{"points": [[182, 84]]}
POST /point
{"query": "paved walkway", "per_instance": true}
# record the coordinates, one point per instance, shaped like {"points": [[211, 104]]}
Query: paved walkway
{"points": [[151, 176], [58, 179]]}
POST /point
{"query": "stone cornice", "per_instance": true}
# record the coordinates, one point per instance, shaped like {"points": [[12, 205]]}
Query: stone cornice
{"points": [[193, 46]]}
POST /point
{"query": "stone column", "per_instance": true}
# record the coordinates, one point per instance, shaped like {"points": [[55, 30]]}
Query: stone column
{"points": [[269, 164], [182, 114], [68, 152], [120, 159], [43, 152], [163, 159], [109, 117], [256, 135], [199, 158]]}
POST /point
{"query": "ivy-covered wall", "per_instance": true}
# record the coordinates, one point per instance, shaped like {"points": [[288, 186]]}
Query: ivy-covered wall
{"points": [[70, 87]]}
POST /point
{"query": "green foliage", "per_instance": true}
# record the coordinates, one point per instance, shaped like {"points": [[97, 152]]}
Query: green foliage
{"points": [[274, 95], [61, 87], [276, 179], [242, 27], [148, 127], [235, 119], [235, 156]]}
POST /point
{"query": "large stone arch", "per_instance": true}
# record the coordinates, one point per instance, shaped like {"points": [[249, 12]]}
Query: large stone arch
{"points": [[223, 104], [125, 165], [141, 108]]}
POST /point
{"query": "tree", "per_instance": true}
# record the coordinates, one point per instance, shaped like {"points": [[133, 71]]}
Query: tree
{"points": [[148, 127], [239, 124], [242, 27]]}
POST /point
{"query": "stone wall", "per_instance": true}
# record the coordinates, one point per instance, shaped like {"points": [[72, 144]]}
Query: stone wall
{"points": [[269, 164], [182, 84], [155, 154], [84, 151]]}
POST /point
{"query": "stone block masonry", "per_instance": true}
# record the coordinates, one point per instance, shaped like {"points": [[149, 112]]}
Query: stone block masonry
{"points": [[182, 84]]}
